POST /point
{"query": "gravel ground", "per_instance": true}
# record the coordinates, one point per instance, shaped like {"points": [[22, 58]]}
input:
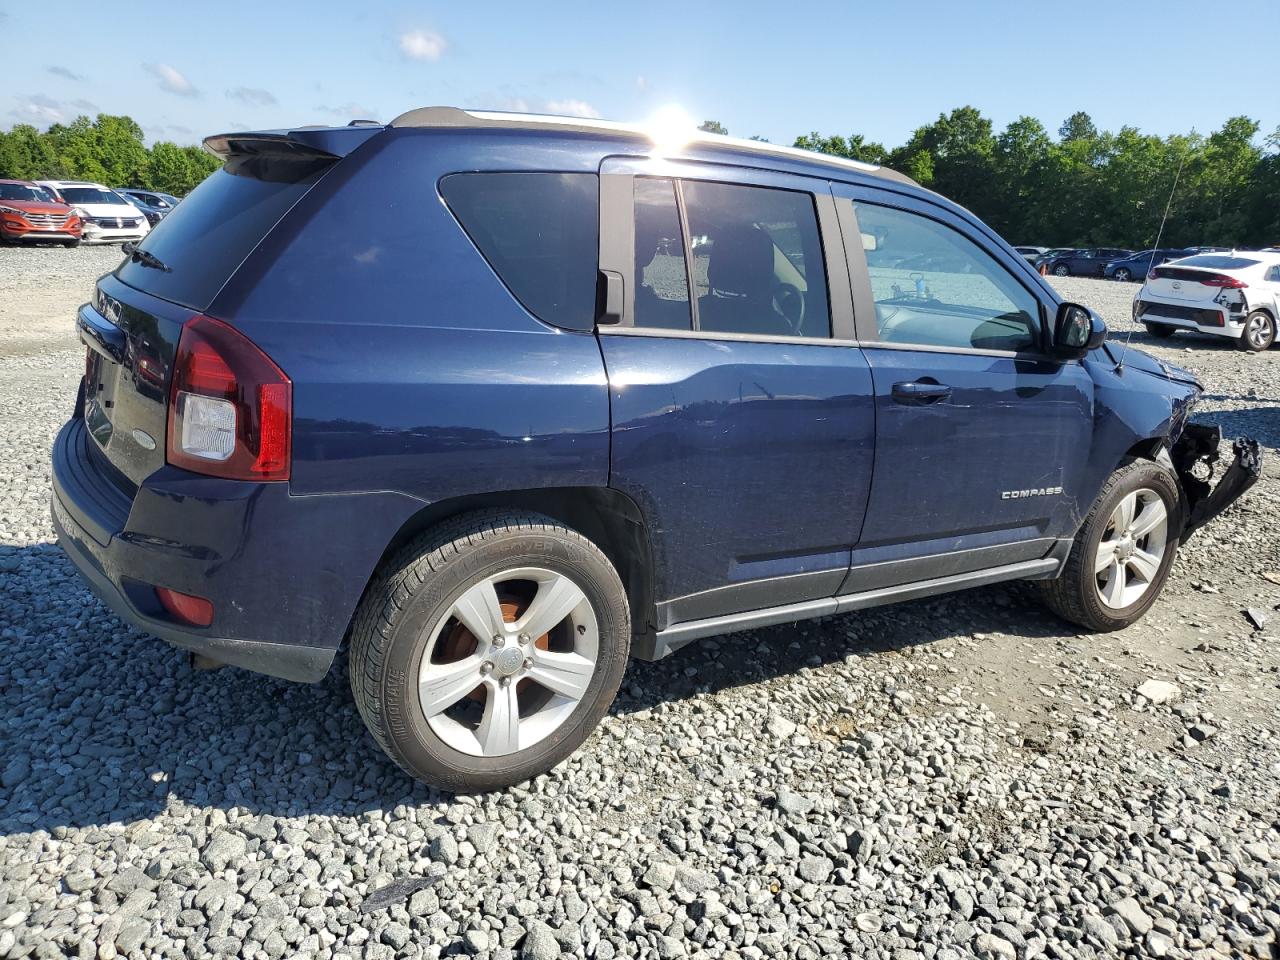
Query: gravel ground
{"points": [[946, 778]]}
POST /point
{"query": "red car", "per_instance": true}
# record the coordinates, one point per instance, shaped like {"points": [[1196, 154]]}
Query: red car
{"points": [[28, 213]]}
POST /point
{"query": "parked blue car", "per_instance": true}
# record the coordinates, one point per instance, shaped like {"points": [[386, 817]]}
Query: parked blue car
{"points": [[1139, 265], [505, 400]]}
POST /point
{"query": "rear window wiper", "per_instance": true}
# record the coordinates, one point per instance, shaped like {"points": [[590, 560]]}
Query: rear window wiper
{"points": [[145, 258]]}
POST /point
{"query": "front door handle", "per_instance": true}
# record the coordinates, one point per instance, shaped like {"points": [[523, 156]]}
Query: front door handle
{"points": [[921, 391]]}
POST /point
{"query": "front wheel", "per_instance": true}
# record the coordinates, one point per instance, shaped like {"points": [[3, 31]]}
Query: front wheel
{"points": [[489, 649], [1062, 270], [1259, 332], [1123, 275], [70, 244], [1121, 556]]}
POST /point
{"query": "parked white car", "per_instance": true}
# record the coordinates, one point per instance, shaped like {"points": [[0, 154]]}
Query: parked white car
{"points": [[108, 217], [1232, 294]]}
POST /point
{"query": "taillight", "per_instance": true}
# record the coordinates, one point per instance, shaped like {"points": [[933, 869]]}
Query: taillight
{"points": [[230, 406], [1220, 280]]}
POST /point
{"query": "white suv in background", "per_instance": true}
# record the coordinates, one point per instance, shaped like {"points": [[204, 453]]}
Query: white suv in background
{"points": [[107, 216], [1233, 294]]}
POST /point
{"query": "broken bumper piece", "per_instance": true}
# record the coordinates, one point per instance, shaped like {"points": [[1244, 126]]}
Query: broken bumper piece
{"points": [[1195, 457]]}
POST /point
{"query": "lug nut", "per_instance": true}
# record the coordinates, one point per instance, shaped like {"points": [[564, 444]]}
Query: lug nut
{"points": [[524, 638], [528, 663], [486, 668], [499, 640]]}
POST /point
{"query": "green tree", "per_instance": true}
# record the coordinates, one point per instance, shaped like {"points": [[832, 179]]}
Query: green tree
{"points": [[713, 126], [855, 147], [27, 154]]}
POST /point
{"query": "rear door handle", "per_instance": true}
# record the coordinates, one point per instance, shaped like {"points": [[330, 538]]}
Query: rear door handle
{"points": [[920, 391]]}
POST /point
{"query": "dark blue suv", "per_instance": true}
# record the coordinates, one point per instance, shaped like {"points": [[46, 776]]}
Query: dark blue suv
{"points": [[506, 399]]}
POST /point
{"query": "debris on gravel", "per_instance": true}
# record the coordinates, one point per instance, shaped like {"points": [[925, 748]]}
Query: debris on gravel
{"points": [[952, 777]]}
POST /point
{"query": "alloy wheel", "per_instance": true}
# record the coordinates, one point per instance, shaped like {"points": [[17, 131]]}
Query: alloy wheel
{"points": [[509, 662], [1132, 549], [1258, 330]]}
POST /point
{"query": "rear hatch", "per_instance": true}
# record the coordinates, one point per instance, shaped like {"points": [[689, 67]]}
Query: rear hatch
{"points": [[1198, 279], [133, 324]]}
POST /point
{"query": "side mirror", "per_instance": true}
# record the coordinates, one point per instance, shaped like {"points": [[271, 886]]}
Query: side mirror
{"points": [[1076, 331]]}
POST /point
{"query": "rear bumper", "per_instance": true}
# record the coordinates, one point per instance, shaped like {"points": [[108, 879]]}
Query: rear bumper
{"points": [[1191, 316], [283, 573]]}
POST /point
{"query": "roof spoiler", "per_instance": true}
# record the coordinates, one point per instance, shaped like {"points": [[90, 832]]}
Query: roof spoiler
{"points": [[304, 142]]}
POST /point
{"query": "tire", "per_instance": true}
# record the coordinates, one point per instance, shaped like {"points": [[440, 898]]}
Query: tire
{"points": [[1161, 331], [407, 621], [1062, 270], [1259, 332], [1078, 594], [1123, 275], [71, 244]]}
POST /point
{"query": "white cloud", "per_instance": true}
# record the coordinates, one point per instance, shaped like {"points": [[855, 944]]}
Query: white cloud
{"points": [[349, 111], [573, 108], [39, 109], [61, 71], [172, 80], [422, 45], [254, 96]]}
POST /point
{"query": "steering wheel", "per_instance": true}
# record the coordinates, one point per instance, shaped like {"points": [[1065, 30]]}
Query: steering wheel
{"points": [[788, 302]]}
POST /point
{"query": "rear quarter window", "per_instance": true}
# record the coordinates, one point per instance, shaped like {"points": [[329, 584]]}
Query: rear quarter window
{"points": [[538, 231]]}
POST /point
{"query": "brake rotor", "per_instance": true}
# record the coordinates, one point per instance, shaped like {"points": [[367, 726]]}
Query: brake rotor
{"points": [[460, 642]]}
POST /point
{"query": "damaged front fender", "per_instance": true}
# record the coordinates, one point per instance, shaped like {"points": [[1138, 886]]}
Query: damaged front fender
{"points": [[1195, 457]]}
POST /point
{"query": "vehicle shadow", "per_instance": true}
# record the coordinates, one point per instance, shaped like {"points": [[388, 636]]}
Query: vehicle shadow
{"points": [[100, 723]]}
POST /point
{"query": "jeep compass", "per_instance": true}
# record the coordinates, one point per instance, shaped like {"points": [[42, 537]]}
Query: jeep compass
{"points": [[503, 400]]}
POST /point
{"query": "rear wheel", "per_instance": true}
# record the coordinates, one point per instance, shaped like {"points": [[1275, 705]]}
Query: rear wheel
{"points": [[1062, 270], [1259, 332], [70, 243], [1121, 557], [489, 650], [1161, 331]]}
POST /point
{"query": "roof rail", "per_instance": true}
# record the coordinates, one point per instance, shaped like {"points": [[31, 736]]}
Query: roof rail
{"points": [[456, 117]]}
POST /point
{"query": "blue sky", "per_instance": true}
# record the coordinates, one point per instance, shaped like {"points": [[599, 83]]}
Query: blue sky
{"points": [[773, 69]]}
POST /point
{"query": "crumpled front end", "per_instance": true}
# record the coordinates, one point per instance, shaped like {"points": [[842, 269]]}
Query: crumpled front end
{"points": [[1207, 492]]}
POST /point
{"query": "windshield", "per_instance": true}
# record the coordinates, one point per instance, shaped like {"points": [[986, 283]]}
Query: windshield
{"points": [[90, 195], [1218, 262], [18, 191]]}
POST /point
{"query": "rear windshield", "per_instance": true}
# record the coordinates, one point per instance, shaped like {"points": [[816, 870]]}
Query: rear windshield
{"points": [[539, 233], [1215, 261], [210, 233]]}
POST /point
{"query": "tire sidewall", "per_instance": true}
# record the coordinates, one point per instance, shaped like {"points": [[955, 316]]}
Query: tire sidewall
{"points": [[405, 726], [1150, 476]]}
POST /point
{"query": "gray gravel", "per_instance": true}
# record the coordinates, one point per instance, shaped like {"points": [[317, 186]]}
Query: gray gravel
{"points": [[963, 776]]}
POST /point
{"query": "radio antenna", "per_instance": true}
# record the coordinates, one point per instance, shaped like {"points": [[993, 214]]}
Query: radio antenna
{"points": [[1154, 248]]}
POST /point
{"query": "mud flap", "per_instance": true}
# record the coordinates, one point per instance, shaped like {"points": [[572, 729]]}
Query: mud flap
{"points": [[1194, 457]]}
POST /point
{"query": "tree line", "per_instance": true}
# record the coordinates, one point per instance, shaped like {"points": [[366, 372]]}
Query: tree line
{"points": [[1088, 187], [1084, 187], [108, 150]]}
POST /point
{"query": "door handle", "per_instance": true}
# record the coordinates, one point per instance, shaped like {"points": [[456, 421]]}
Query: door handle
{"points": [[921, 391]]}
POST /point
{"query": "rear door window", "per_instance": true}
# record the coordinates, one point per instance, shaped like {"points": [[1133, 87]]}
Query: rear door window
{"points": [[538, 231], [209, 235]]}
